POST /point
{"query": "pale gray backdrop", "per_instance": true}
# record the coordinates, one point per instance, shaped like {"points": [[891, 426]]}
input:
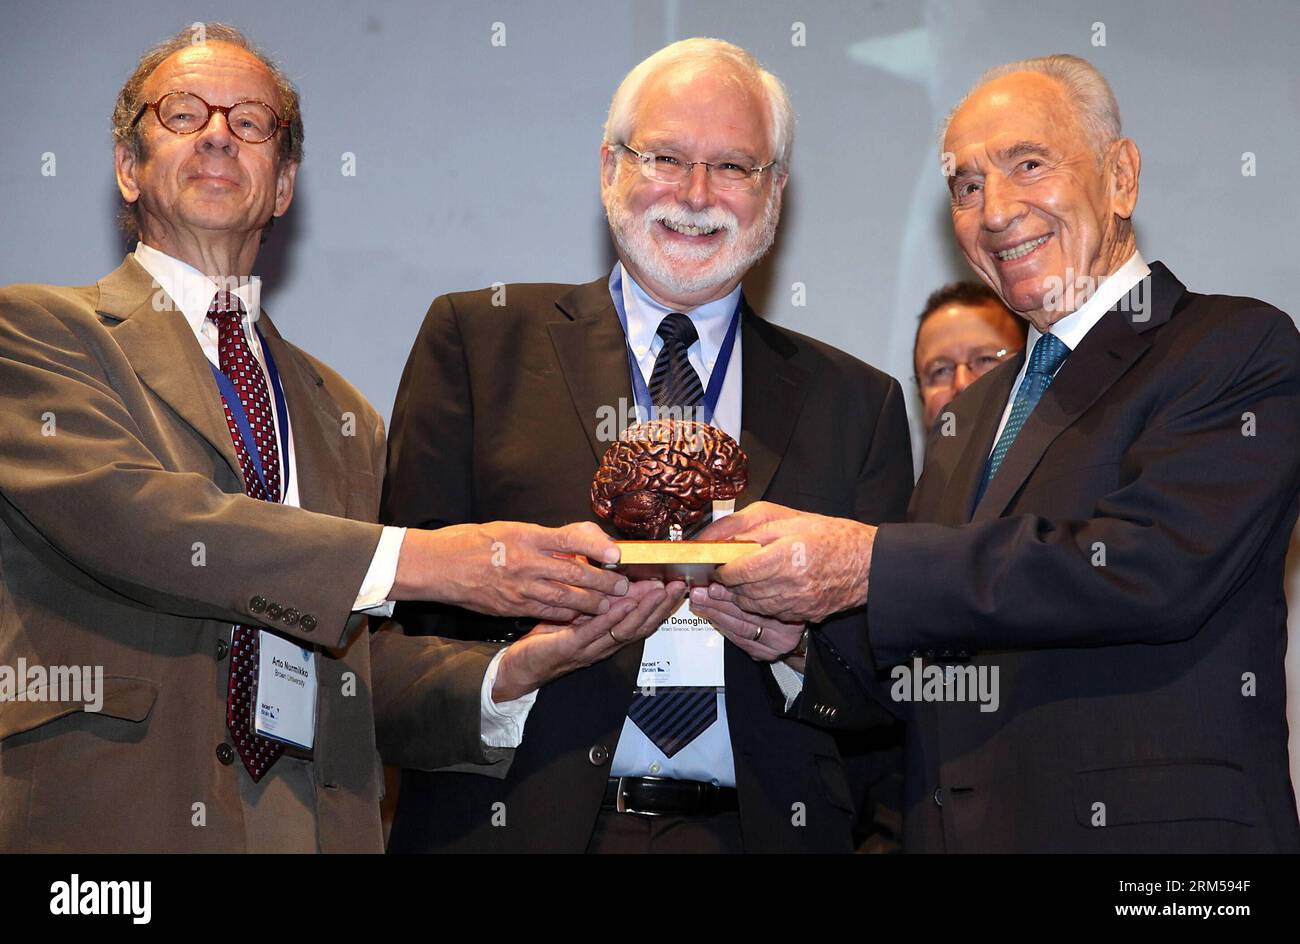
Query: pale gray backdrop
{"points": [[473, 130]]}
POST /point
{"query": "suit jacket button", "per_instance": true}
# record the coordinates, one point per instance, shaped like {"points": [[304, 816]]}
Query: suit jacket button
{"points": [[938, 796], [257, 604], [598, 755], [291, 616], [223, 649], [225, 754], [308, 622], [273, 610]]}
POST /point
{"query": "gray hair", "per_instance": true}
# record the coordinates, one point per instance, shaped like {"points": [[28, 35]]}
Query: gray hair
{"points": [[130, 98], [737, 65], [1086, 87]]}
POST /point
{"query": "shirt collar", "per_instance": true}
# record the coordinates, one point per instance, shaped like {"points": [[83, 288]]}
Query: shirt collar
{"points": [[1072, 328], [644, 314], [190, 290]]}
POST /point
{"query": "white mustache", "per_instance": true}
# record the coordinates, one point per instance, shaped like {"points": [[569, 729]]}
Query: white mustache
{"points": [[678, 215]]}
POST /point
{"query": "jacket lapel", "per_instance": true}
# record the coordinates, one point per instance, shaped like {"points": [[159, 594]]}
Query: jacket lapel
{"points": [[1104, 355], [165, 354], [772, 392], [983, 404], [592, 353], [316, 423], [167, 358]]}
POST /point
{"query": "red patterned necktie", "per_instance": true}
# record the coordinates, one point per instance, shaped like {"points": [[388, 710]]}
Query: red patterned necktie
{"points": [[245, 372]]}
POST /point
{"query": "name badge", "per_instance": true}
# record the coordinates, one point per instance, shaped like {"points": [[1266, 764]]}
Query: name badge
{"points": [[285, 708], [684, 650]]}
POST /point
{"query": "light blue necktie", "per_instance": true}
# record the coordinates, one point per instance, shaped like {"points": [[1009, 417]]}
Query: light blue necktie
{"points": [[1047, 356]]}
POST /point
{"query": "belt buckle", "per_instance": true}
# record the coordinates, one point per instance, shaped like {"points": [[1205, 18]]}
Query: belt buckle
{"points": [[620, 797]]}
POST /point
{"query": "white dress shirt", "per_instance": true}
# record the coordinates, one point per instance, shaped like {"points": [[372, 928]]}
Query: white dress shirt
{"points": [[708, 757], [1071, 329], [191, 291]]}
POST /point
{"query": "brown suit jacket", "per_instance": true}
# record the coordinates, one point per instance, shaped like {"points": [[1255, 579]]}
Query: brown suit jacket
{"points": [[126, 543]]}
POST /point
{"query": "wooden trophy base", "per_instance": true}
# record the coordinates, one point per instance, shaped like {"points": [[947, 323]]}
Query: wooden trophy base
{"points": [[691, 561]]}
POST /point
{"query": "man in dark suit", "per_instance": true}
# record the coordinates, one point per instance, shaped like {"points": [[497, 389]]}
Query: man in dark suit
{"points": [[1085, 611], [512, 396], [152, 554]]}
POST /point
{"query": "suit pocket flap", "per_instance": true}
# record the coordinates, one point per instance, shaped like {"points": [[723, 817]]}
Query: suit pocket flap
{"points": [[1164, 793], [130, 699]]}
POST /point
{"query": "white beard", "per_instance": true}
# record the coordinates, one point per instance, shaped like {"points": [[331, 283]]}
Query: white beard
{"points": [[674, 265]]}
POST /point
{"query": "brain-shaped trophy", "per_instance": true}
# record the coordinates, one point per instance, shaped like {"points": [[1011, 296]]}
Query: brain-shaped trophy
{"points": [[663, 476]]}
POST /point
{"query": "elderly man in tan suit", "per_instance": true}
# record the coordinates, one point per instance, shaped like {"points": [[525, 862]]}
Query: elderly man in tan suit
{"points": [[157, 576]]}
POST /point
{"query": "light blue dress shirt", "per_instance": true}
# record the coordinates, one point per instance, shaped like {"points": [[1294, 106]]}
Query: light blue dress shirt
{"points": [[708, 757]]}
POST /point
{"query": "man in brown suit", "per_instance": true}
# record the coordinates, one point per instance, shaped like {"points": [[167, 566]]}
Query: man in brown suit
{"points": [[158, 433]]}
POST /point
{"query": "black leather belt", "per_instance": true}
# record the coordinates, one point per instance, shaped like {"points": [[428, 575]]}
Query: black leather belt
{"points": [[659, 796]]}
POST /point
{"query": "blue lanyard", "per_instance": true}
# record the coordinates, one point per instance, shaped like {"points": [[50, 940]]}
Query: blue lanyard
{"points": [[236, 407], [640, 391]]}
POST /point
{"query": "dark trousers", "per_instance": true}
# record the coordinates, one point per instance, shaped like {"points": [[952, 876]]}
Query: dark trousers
{"points": [[633, 832]]}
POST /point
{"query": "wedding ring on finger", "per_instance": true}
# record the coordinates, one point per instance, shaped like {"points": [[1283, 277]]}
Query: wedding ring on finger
{"points": [[758, 634]]}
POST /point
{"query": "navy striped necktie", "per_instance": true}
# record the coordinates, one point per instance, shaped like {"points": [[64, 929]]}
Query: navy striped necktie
{"points": [[674, 382], [673, 716]]}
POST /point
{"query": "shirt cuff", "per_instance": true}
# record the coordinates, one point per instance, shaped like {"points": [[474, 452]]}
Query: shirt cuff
{"points": [[789, 681], [373, 596], [502, 725]]}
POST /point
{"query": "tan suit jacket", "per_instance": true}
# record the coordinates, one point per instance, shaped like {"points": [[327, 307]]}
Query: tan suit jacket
{"points": [[126, 543]]}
